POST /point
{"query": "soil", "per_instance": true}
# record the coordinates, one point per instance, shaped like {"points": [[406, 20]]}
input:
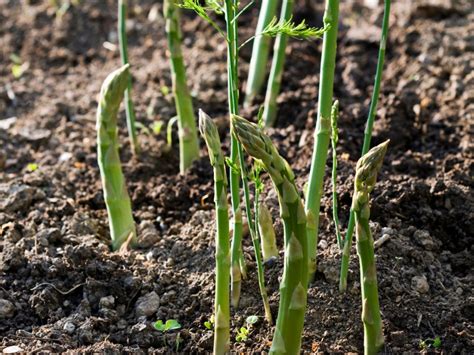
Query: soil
{"points": [[63, 290]]}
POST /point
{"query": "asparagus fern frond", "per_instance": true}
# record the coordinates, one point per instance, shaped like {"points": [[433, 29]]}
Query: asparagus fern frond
{"points": [[203, 11], [291, 29]]}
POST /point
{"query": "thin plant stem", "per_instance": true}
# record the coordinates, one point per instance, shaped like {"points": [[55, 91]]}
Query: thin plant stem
{"points": [[129, 108], [222, 304], [346, 252], [187, 132], [334, 140], [260, 52], [237, 154], [323, 127], [117, 200], [258, 258], [276, 72]]}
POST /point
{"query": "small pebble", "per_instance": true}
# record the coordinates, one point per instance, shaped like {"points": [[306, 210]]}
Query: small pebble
{"points": [[420, 284], [69, 327], [12, 350], [147, 305], [7, 309]]}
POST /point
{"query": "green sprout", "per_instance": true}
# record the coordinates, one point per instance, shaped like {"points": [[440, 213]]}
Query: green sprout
{"points": [[32, 167], [18, 68], [209, 324], [430, 343], [171, 324], [242, 334]]}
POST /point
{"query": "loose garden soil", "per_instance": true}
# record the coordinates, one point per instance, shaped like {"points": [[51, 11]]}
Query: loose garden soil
{"points": [[63, 290]]}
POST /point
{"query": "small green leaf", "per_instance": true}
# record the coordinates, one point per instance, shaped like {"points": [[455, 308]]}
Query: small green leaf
{"points": [[17, 70], [172, 324], [251, 320], [159, 326], [32, 167], [165, 90], [437, 343], [208, 325], [157, 126]]}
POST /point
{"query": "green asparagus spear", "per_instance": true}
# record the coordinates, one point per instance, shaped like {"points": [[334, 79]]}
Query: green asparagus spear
{"points": [[323, 127], [129, 108], [222, 305], [260, 51], [346, 253], [122, 226], [276, 72], [188, 139], [334, 140], [293, 287], [366, 175], [267, 233]]}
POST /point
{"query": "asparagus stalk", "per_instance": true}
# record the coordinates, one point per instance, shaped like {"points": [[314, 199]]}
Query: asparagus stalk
{"points": [[346, 252], [222, 307], [366, 174], [188, 139], [276, 72], [323, 126], [119, 210], [293, 287], [267, 233], [257, 248], [129, 108], [237, 155], [334, 140], [260, 51]]}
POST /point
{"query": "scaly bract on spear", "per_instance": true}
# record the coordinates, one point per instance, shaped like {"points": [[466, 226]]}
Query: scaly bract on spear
{"points": [[119, 209], [222, 297], [366, 174], [293, 286]]}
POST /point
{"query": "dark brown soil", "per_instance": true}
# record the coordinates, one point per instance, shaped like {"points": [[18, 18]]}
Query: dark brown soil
{"points": [[61, 289]]}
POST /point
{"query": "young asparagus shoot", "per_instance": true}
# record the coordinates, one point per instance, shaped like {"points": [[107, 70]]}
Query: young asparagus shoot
{"points": [[346, 253], [260, 52], [366, 174], [267, 233], [119, 208], [293, 287], [129, 108], [334, 140], [282, 30], [323, 127], [188, 139], [222, 305], [259, 186]]}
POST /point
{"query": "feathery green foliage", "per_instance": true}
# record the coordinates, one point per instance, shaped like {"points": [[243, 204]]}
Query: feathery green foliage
{"points": [[289, 28], [293, 287], [222, 306], [121, 223], [366, 174]]}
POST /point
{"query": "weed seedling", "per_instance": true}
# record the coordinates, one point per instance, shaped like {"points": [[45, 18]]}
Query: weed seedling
{"points": [[171, 324]]}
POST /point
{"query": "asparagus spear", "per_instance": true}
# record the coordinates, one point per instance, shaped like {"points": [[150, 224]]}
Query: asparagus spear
{"points": [[267, 233], [276, 72], [129, 108], [122, 226], [323, 126], [188, 139], [260, 51], [222, 306], [346, 253], [293, 287], [366, 175], [334, 140]]}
